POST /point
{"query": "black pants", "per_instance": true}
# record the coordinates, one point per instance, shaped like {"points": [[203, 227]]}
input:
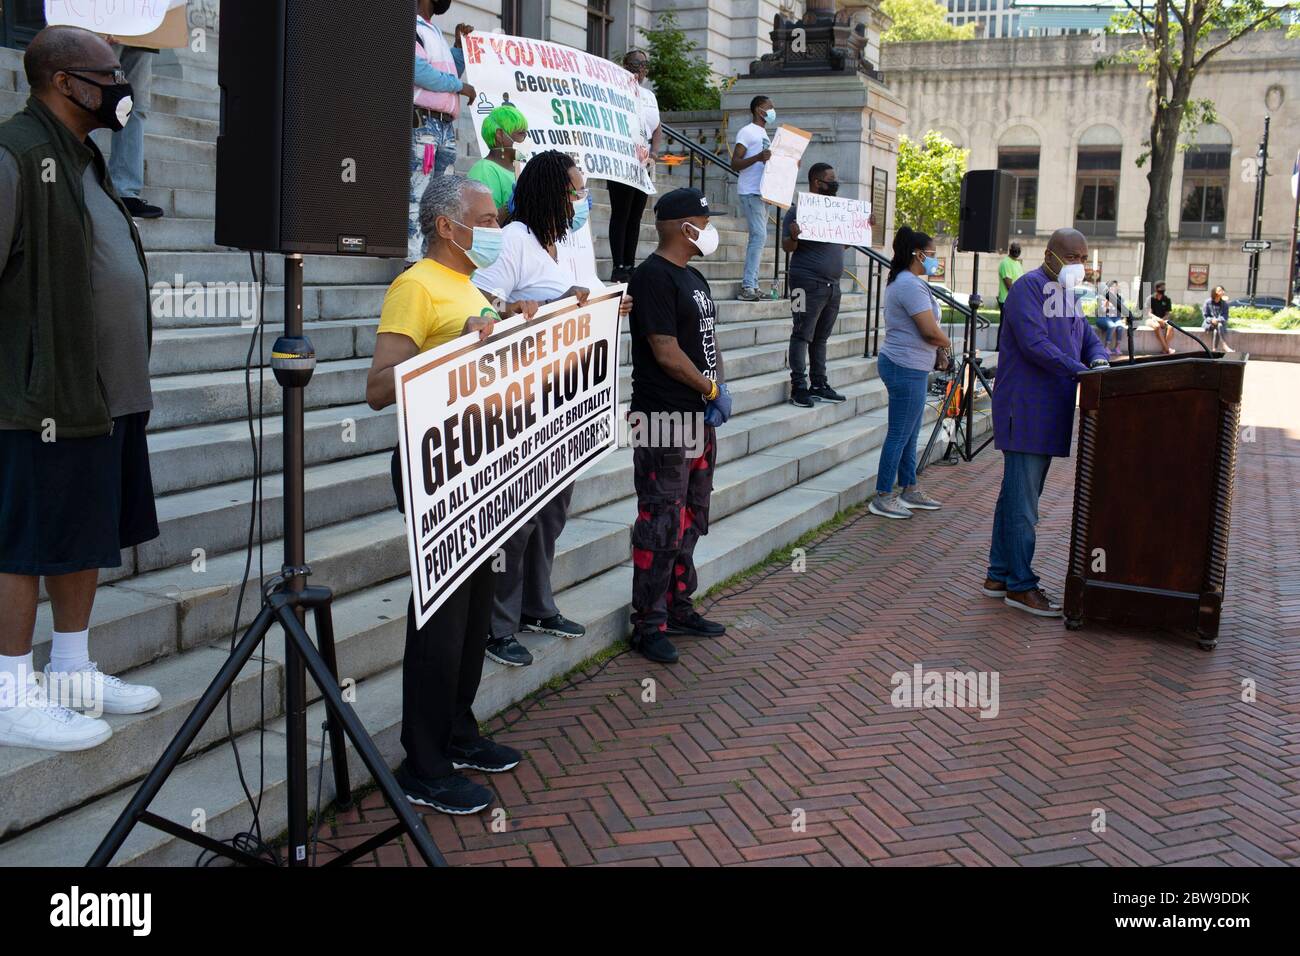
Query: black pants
{"points": [[814, 305], [441, 670], [627, 203]]}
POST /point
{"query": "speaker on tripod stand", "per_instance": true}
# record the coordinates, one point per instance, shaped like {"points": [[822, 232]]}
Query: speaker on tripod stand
{"points": [[313, 156], [984, 225]]}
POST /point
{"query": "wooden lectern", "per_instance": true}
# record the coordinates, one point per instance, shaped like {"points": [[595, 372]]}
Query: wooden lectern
{"points": [[1153, 493]]}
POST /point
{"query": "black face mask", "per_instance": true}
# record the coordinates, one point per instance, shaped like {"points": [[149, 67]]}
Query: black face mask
{"points": [[829, 189], [111, 95], [440, 7]]}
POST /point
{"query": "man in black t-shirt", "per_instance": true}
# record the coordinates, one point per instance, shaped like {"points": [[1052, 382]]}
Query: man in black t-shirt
{"points": [[815, 269], [1160, 308], [677, 396]]}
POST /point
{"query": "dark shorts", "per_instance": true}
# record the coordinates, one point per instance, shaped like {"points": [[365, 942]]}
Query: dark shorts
{"points": [[74, 503]]}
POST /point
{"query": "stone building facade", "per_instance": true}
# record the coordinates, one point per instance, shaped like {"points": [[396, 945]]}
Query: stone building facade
{"points": [[1072, 135]]}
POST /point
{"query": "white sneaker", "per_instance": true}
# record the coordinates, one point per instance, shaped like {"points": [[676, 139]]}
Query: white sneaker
{"points": [[90, 689], [37, 723]]}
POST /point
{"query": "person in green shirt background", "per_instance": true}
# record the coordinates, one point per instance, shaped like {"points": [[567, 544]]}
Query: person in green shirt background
{"points": [[504, 129], [1009, 270]]}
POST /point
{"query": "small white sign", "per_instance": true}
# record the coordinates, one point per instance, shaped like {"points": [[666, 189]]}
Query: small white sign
{"points": [[834, 219]]}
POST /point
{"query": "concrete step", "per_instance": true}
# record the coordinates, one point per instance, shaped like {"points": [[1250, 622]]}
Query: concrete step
{"points": [[191, 604], [369, 629], [204, 397], [228, 266]]}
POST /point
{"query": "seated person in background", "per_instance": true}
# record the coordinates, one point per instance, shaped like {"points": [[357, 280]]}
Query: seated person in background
{"points": [[1108, 317], [503, 130], [1214, 319], [551, 201], [1160, 307]]}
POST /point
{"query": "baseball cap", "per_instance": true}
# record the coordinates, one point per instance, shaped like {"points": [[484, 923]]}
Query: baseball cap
{"points": [[683, 203]]}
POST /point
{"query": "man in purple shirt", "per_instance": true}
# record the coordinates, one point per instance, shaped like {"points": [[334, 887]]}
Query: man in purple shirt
{"points": [[1045, 343]]}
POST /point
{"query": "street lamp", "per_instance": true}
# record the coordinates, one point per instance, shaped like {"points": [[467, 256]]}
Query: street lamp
{"points": [[1261, 172]]}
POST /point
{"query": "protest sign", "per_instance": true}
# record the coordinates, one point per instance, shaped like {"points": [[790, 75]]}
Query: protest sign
{"points": [[577, 103], [781, 172], [121, 19], [834, 219], [491, 431]]}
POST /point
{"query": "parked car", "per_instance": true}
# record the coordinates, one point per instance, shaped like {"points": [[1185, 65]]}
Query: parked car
{"points": [[1274, 303]]}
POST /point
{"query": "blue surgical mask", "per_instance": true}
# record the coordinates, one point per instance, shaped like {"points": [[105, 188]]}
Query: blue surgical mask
{"points": [[581, 210], [485, 248], [770, 116], [931, 265]]}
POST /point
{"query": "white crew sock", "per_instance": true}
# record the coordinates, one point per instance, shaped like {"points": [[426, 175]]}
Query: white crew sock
{"points": [[13, 678], [70, 650]]}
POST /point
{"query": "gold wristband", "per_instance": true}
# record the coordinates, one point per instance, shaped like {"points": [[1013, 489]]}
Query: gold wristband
{"points": [[713, 393]]}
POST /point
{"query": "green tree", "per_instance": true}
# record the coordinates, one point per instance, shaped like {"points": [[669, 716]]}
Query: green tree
{"points": [[682, 79], [929, 183], [1174, 41], [921, 20]]}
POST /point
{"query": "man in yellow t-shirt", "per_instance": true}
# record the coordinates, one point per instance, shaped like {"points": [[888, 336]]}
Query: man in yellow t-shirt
{"points": [[430, 303]]}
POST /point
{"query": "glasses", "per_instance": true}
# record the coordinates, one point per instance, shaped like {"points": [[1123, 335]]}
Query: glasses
{"points": [[117, 73], [638, 64]]}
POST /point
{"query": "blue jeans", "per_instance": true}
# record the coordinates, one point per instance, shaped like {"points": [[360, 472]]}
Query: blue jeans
{"points": [[755, 212], [906, 387], [442, 136], [126, 161], [1011, 555]]}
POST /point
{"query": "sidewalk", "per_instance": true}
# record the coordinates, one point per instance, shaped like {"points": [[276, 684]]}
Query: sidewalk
{"points": [[778, 744]]}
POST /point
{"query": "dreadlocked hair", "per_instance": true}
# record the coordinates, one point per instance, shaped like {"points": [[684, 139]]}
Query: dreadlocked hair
{"points": [[542, 196]]}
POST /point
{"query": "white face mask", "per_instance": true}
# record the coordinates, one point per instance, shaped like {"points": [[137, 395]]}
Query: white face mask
{"points": [[706, 241], [1071, 275]]}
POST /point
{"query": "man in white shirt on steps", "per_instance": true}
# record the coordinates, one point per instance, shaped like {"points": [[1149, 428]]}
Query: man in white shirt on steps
{"points": [[749, 158]]}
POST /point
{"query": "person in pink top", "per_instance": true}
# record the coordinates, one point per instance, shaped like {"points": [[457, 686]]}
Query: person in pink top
{"points": [[437, 94]]}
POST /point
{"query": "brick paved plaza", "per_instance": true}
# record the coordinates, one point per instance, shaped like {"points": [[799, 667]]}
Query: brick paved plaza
{"points": [[791, 710]]}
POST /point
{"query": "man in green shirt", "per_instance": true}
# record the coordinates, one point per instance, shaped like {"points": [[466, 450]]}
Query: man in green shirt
{"points": [[1009, 270]]}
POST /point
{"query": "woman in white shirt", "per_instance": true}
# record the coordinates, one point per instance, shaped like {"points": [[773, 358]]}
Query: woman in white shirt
{"points": [[551, 199], [627, 203]]}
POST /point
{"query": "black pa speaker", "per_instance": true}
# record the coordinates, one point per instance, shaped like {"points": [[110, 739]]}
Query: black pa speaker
{"points": [[985, 211], [313, 154]]}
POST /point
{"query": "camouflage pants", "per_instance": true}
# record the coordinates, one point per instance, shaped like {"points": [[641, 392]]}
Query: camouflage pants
{"points": [[672, 494]]}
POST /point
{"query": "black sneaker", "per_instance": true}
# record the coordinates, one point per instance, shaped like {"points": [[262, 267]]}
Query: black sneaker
{"points": [[824, 393], [450, 794], [557, 624], [508, 651], [696, 626], [801, 397], [655, 647], [139, 209], [486, 755]]}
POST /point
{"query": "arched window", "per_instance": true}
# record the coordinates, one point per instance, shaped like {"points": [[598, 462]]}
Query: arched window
{"points": [[1018, 155], [1206, 167], [1096, 191]]}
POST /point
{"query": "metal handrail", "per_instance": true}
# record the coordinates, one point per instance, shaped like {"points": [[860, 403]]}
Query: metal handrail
{"points": [[878, 262]]}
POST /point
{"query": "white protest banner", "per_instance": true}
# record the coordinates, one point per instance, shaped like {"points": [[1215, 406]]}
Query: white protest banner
{"points": [[781, 172], [834, 219], [125, 18], [577, 103], [492, 430], [575, 253]]}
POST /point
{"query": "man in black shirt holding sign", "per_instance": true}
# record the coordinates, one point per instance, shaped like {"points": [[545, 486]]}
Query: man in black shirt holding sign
{"points": [[677, 401], [815, 269]]}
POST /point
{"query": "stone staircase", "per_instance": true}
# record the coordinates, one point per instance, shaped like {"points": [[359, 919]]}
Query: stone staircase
{"points": [[166, 617]]}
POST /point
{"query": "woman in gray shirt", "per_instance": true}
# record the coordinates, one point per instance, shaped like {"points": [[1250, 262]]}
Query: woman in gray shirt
{"points": [[912, 334]]}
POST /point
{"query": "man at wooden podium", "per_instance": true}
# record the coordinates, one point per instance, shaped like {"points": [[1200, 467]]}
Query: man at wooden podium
{"points": [[1045, 343]]}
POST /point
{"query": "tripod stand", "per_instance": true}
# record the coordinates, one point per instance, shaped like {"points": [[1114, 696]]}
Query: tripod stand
{"points": [[285, 600], [959, 400]]}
